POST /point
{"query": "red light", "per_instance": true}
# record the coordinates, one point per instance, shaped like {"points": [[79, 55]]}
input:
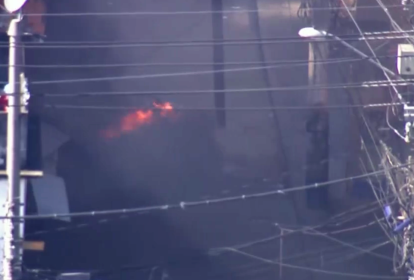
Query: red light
{"points": [[3, 102]]}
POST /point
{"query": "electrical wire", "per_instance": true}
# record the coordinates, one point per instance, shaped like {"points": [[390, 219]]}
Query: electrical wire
{"points": [[245, 245], [257, 39], [333, 249], [162, 75], [395, 238], [332, 254], [333, 222], [371, 134], [370, 47], [353, 228], [377, 60], [346, 220], [394, 24], [346, 244], [100, 272], [179, 13], [135, 108], [322, 271], [382, 197], [238, 43], [113, 219], [328, 235], [360, 212], [387, 119], [184, 205], [295, 256], [293, 231], [179, 74], [339, 257], [369, 84], [354, 255], [147, 76], [281, 63], [402, 193]]}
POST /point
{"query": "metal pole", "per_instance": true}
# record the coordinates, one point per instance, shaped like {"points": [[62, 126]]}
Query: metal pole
{"points": [[13, 235]]}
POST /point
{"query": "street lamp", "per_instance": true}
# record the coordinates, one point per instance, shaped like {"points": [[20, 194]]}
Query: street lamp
{"points": [[312, 33], [13, 6]]}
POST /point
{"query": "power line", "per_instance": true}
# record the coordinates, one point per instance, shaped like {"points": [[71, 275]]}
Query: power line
{"points": [[362, 113], [147, 76], [368, 276], [207, 12], [394, 24], [244, 245], [271, 238], [97, 107], [331, 249], [376, 34], [305, 167], [371, 49], [313, 231], [238, 43], [211, 251], [386, 74], [317, 233], [183, 205], [280, 63], [330, 252], [368, 84], [348, 257], [164, 75]]}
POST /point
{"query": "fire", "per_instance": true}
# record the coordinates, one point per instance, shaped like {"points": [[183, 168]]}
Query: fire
{"points": [[135, 120], [165, 108], [139, 118]]}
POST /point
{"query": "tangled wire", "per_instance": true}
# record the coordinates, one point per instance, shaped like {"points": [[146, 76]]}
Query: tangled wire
{"points": [[397, 200]]}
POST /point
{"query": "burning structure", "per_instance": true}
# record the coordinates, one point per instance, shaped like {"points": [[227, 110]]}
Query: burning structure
{"points": [[138, 118]]}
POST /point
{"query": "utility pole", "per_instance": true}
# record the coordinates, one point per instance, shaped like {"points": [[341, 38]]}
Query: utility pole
{"points": [[13, 229]]}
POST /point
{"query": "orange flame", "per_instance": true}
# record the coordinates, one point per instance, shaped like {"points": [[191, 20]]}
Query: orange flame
{"points": [[137, 119], [165, 108]]}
